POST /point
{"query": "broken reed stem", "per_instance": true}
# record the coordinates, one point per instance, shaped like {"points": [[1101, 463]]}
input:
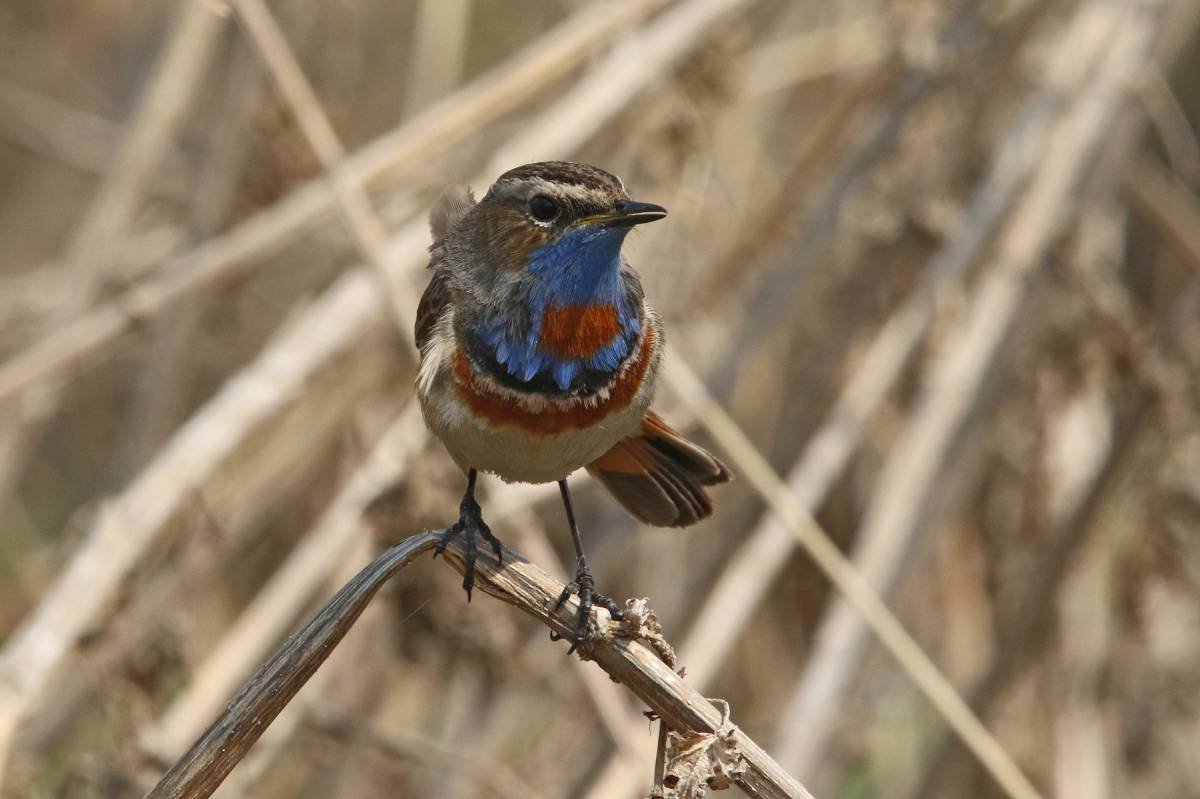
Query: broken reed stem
{"points": [[289, 591], [210, 759], [518, 582]]}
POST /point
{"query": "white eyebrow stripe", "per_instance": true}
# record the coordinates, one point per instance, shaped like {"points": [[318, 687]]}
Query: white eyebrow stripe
{"points": [[541, 185]]}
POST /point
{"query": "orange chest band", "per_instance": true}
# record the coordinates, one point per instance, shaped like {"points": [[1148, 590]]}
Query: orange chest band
{"points": [[578, 331], [504, 411]]}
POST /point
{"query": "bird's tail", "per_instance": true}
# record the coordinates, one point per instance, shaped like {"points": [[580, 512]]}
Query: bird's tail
{"points": [[659, 476]]}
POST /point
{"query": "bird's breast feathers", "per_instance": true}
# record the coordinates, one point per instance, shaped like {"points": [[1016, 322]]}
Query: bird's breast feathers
{"points": [[529, 436], [578, 331]]}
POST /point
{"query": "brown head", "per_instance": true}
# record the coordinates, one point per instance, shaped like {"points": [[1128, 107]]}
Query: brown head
{"points": [[533, 205], [579, 208]]}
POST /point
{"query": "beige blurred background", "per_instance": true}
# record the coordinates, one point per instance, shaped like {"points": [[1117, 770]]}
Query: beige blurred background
{"points": [[939, 260]]}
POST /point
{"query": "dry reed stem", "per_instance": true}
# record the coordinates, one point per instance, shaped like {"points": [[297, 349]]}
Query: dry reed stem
{"points": [[853, 588], [309, 566], [614, 81], [872, 139], [212, 684], [204, 766], [176, 76], [517, 582], [753, 568], [1166, 203], [62, 353], [632, 663], [77, 138], [340, 667], [439, 44], [1070, 532], [909, 474], [89, 255], [369, 231], [127, 525]]}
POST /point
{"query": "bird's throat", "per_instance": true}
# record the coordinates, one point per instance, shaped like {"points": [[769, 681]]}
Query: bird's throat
{"points": [[584, 320]]}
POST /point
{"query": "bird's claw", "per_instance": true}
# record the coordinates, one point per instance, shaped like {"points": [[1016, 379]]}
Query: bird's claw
{"points": [[470, 523], [584, 587]]}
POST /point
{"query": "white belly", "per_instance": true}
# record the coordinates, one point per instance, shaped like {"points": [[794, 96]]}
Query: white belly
{"points": [[517, 455]]}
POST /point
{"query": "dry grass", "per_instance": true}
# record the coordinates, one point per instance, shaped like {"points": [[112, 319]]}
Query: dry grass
{"points": [[934, 262]]}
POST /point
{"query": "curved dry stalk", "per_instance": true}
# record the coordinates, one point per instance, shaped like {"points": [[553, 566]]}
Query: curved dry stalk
{"points": [[128, 525], [309, 565], [630, 652], [203, 767]]}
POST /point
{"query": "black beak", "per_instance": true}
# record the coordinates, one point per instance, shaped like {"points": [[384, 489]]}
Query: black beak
{"points": [[627, 213]]}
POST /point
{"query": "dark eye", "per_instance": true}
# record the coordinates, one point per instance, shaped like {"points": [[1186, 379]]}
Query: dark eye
{"points": [[543, 208]]}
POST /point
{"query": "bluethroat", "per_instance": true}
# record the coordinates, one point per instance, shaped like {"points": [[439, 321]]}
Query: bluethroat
{"points": [[539, 355]]}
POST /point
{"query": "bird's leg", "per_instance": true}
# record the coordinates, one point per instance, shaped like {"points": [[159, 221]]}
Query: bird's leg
{"points": [[583, 585], [470, 522]]}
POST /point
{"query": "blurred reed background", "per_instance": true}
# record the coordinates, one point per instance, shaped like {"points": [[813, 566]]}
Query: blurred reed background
{"points": [[937, 259]]}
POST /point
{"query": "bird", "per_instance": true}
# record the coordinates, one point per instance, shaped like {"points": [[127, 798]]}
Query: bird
{"points": [[539, 355]]}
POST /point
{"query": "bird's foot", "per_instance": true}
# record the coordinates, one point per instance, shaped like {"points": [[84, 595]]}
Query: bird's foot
{"points": [[470, 523], [584, 587]]}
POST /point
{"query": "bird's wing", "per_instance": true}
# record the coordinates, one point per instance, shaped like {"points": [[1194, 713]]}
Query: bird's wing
{"points": [[447, 212], [659, 476], [433, 304]]}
